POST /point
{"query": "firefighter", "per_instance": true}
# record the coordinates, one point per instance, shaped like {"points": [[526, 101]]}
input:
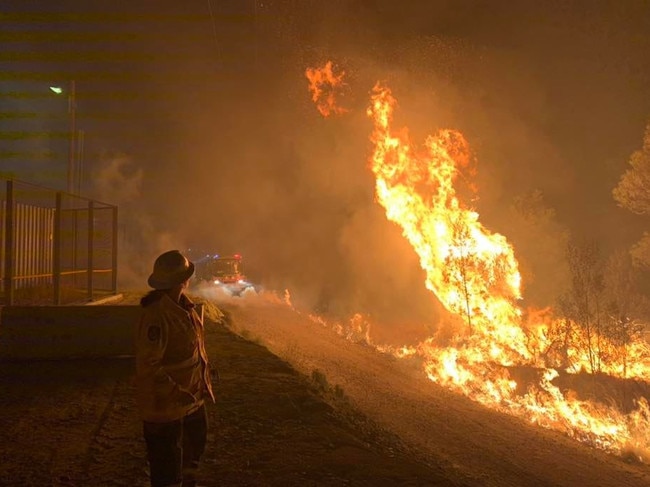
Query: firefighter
{"points": [[172, 374]]}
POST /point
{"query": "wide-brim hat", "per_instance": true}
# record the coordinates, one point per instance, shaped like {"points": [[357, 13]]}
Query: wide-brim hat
{"points": [[169, 270]]}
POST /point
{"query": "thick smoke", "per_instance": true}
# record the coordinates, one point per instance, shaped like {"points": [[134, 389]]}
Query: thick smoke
{"points": [[118, 180], [243, 162]]}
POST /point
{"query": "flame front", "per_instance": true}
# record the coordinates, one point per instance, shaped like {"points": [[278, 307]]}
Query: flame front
{"points": [[472, 271], [474, 274], [324, 87]]}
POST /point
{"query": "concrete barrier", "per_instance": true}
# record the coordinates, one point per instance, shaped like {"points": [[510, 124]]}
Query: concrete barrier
{"points": [[56, 332]]}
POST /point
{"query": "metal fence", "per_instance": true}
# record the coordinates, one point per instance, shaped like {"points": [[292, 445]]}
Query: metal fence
{"points": [[57, 248]]}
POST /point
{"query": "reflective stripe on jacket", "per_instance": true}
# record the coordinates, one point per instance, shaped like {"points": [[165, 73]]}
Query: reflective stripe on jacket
{"points": [[172, 371]]}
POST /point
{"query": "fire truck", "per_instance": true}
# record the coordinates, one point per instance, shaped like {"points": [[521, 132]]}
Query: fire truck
{"points": [[223, 271]]}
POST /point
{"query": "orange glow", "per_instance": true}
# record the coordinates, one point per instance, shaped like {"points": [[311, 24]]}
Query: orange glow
{"points": [[427, 191], [471, 270], [325, 87], [474, 274]]}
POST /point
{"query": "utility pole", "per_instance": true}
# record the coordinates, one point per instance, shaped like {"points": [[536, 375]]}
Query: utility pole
{"points": [[72, 111], [256, 34], [81, 135]]}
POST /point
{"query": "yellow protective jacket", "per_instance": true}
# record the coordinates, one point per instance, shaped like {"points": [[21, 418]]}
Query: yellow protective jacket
{"points": [[172, 371]]}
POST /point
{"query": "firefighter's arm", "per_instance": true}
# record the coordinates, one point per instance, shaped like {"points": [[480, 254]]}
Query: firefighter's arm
{"points": [[150, 348]]}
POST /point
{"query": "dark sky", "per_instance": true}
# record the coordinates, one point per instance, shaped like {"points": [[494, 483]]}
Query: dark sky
{"points": [[198, 124]]}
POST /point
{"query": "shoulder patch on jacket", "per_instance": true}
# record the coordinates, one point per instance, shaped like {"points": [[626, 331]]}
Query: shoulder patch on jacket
{"points": [[153, 333]]}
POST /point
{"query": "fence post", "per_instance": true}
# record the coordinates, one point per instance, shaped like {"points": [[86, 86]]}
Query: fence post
{"points": [[114, 262], [56, 250], [91, 233], [9, 243]]}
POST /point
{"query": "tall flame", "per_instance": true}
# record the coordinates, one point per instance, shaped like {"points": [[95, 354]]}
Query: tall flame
{"points": [[474, 274], [472, 271]]}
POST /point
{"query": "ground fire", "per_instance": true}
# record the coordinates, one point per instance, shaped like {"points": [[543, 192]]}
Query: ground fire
{"points": [[474, 274]]}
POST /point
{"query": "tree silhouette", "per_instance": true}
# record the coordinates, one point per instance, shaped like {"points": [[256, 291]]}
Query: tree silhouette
{"points": [[582, 304], [633, 189], [633, 194]]}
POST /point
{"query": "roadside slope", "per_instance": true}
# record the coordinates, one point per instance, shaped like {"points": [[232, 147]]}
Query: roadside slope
{"points": [[74, 423], [274, 428], [469, 443]]}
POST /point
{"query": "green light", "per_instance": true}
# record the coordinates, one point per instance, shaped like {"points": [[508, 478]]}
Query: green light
{"points": [[56, 89]]}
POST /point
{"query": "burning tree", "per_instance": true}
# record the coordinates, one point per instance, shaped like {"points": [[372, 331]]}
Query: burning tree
{"points": [[458, 266]]}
